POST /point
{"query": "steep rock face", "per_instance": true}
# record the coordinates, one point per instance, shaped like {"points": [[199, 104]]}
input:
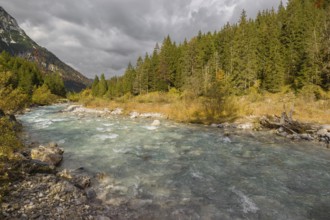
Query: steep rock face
{"points": [[15, 41]]}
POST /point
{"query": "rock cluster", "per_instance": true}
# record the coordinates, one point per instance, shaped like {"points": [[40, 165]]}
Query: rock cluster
{"points": [[50, 154], [41, 192], [80, 110], [145, 115], [294, 130]]}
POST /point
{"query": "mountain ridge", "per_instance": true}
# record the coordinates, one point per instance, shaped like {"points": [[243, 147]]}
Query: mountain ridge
{"points": [[15, 41]]}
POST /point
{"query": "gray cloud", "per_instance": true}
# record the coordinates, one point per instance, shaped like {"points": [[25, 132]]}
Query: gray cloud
{"points": [[102, 36]]}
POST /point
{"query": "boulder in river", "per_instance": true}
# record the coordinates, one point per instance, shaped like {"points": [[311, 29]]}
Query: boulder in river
{"points": [[155, 123], [50, 154]]}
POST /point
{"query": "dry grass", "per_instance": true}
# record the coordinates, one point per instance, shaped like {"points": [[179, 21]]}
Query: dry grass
{"points": [[304, 109], [183, 108]]}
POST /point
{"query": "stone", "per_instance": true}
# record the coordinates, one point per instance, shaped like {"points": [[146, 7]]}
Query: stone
{"points": [[245, 126], [76, 177], [71, 108], [155, 123], [327, 136], [90, 193], [322, 132], [307, 137], [51, 154], [117, 111], [327, 127], [36, 166], [134, 115]]}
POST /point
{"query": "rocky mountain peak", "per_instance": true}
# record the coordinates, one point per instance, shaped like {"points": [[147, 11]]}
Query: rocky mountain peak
{"points": [[14, 40], [7, 22]]}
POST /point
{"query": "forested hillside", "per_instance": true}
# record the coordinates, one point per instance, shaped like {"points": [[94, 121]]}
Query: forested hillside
{"points": [[22, 83], [284, 48]]}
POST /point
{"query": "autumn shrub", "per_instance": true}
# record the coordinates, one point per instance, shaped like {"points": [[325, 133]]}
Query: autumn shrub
{"points": [[12, 101], [9, 143], [43, 96]]}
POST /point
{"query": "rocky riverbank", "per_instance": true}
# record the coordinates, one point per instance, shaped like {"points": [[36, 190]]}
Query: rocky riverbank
{"points": [[39, 190], [283, 126]]}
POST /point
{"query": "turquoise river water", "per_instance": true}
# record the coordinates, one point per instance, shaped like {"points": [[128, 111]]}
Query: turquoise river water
{"points": [[180, 171]]}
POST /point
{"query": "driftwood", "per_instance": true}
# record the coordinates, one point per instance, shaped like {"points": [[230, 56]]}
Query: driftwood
{"points": [[286, 123]]}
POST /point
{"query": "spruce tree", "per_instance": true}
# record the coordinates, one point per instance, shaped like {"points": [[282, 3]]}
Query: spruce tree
{"points": [[95, 86], [102, 86]]}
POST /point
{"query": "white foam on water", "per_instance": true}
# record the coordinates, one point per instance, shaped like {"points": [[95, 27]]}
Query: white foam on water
{"points": [[100, 129], [121, 150], [197, 174], [107, 125], [247, 204], [43, 124], [59, 119], [61, 141], [150, 127], [226, 140], [104, 137]]}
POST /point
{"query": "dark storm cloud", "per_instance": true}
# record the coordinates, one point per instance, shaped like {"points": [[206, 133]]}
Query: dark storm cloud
{"points": [[102, 36]]}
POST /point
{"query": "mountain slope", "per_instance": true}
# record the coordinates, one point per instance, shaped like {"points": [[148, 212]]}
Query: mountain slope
{"points": [[15, 41]]}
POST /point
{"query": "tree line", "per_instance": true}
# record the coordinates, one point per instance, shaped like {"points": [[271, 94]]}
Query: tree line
{"points": [[22, 83], [287, 47]]}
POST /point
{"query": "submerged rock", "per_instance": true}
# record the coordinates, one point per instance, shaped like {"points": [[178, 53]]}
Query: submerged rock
{"points": [[50, 154], [155, 123]]}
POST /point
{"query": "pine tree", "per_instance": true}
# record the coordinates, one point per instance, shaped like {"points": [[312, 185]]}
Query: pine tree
{"points": [[95, 86], [270, 63], [102, 86]]}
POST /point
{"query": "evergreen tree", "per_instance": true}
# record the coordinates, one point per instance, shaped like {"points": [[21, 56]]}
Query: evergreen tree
{"points": [[102, 86], [95, 86]]}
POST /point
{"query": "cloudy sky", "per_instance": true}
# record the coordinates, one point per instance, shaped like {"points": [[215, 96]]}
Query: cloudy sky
{"points": [[102, 36]]}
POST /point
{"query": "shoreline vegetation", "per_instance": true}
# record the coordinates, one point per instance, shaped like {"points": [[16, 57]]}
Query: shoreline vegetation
{"points": [[180, 107]]}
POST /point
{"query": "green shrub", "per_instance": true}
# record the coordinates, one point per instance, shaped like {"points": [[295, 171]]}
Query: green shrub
{"points": [[9, 142], [12, 101], [43, 96]]}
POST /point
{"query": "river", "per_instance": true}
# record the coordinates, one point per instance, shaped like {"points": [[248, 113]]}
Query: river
{"points": [[181, 171]]}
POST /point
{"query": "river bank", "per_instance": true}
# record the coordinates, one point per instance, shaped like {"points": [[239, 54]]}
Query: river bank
{"points": [[283, 126], [64, 197], [39, 190]]}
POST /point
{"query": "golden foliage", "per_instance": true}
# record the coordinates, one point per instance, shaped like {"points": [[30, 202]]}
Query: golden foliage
{"points": [[43, 96]]}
